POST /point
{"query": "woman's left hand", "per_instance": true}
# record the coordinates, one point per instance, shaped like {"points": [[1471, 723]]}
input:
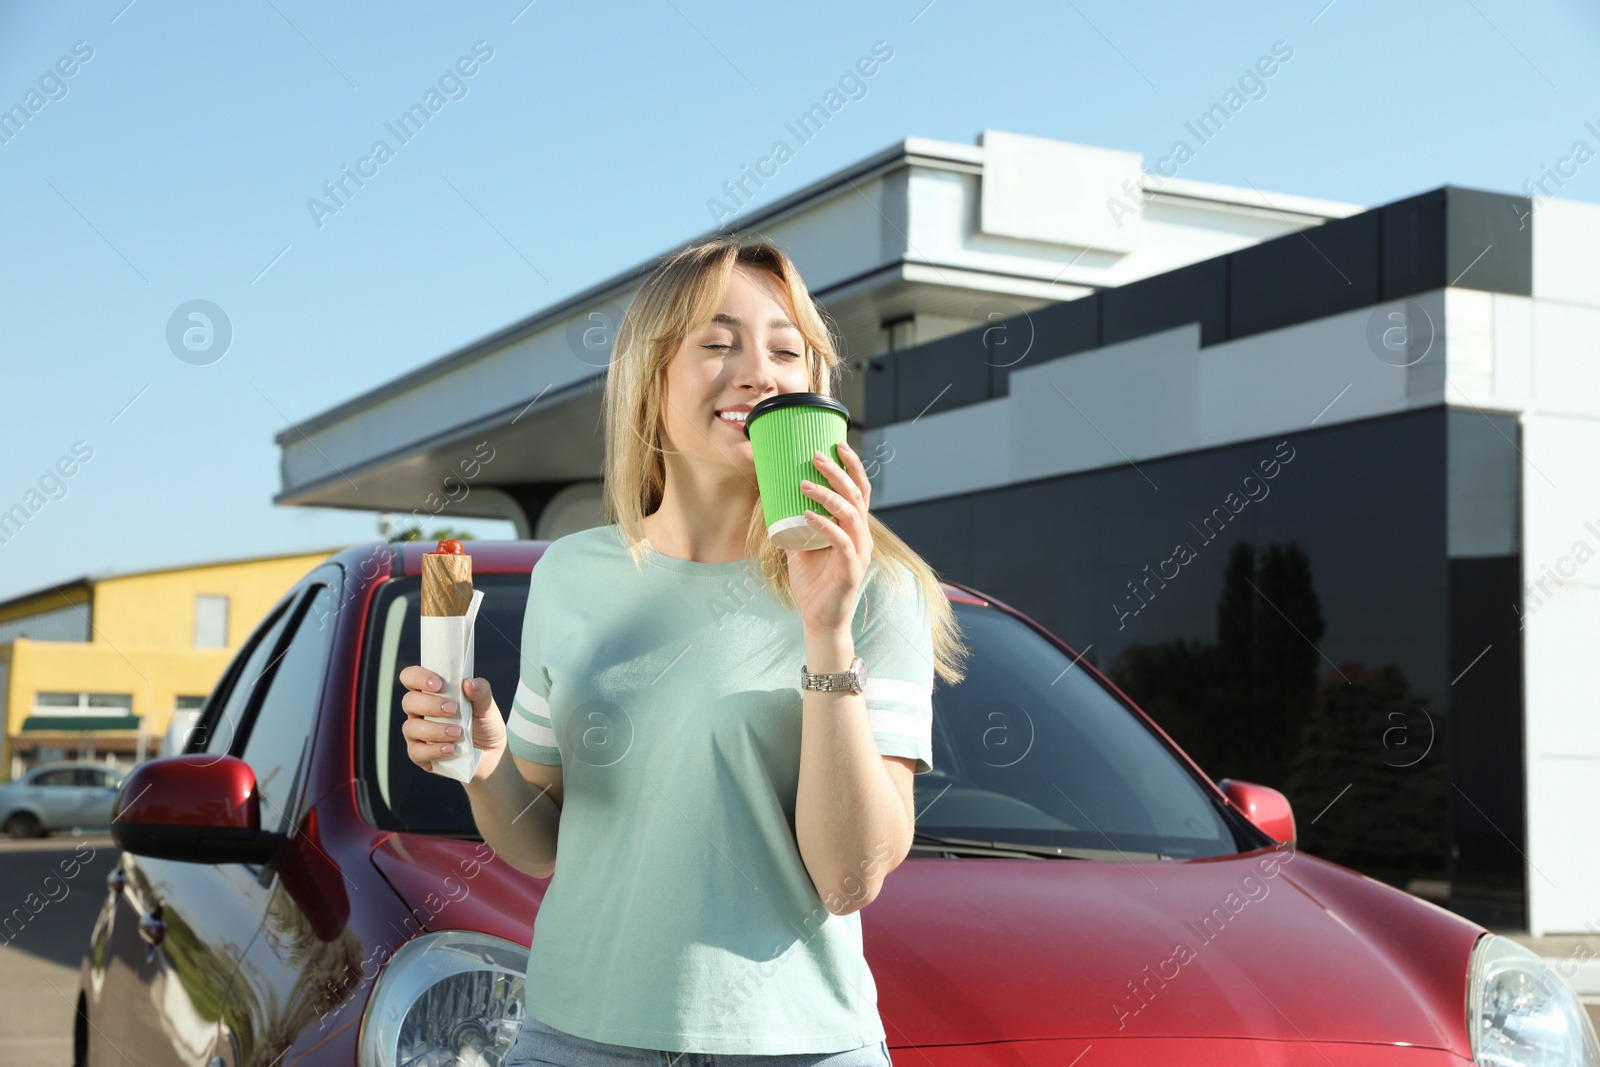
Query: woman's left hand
{"points": [[826, 581]]}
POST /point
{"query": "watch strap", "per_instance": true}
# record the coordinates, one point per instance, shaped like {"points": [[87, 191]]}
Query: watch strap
{"points": [[852, 679]]}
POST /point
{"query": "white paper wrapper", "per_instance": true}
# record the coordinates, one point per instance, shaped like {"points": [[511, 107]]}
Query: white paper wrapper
{"points": [[447, 644]]}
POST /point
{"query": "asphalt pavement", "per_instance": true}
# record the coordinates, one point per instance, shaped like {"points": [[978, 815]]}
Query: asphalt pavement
{"points": [[45, 921]]}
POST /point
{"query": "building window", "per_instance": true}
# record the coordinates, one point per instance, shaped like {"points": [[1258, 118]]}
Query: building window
{"points": [[82, 703], [190, 703], [210, 621], [897, 336]]}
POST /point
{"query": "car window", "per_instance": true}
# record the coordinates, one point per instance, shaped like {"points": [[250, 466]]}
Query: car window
{"points": [[220, 728], [54, 778], [91, 777], [1031, 749], [280, 729], [401, 795]]}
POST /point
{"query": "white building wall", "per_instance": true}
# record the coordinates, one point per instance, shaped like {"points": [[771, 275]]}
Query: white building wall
{"points": [[1553, 359], [1163, 395]]}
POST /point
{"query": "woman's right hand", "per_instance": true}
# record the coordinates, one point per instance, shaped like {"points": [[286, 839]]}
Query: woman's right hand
{"points": [[427, 741]]}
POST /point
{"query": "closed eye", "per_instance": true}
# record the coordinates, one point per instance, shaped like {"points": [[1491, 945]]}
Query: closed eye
{"points": [[781, 351]]}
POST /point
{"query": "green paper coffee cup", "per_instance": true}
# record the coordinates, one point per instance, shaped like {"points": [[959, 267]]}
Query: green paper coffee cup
{"points": [[785, 431]]}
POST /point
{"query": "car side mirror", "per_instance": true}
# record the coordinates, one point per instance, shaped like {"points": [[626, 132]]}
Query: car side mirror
{"points": [[195, 808], [1266, 808]]}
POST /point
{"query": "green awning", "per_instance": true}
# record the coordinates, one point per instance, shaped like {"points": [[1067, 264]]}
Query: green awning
{"points": [[78, 723]]}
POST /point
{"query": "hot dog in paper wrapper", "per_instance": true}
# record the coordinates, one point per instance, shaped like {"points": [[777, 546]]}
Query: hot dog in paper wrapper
{"points": [[449, 610]]}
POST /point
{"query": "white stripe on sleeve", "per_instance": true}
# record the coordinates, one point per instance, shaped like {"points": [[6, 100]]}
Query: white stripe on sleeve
{"points": [[899, 724], [530, 701], [532, 732], [895, 691]]}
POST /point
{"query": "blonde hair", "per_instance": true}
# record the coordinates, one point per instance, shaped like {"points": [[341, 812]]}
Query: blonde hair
{"points": [[680, 295]]}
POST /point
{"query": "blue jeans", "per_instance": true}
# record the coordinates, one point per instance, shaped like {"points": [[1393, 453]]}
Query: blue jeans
{"points": [[541, 1045]]}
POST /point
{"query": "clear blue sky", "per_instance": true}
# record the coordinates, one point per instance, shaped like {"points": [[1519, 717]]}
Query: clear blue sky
{"points": [[179, 161]]}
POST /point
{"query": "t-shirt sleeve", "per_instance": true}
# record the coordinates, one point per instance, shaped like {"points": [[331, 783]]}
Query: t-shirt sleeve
{"points": [[895, 640], [528, 729]]}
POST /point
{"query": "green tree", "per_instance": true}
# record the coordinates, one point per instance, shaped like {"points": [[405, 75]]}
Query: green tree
{"points": [[1372, 771], [414, 533], [1239, 705], [1260, 704], [1178, 683], [1289, 627]]}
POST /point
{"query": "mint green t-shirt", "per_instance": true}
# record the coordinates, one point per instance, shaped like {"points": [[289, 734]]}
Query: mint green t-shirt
{"points": [[680, 915]]}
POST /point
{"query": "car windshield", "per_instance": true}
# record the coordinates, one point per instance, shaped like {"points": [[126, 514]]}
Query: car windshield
{"points": [[1029, 750]]}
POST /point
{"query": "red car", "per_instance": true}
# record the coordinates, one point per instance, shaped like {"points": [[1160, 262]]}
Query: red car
{"points": [[292, 889]]}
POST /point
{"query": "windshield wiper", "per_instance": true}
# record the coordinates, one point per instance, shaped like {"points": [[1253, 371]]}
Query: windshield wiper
{"points": [[966, 846]]}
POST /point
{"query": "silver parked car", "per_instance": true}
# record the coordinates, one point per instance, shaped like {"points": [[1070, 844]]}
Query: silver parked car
{"points": [[59, 796]]}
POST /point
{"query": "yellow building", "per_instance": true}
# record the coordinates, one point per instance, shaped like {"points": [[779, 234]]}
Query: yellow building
{"points": [[96, 667]]}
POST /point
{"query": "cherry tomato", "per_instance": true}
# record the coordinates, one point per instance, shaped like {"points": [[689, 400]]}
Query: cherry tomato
{"points": [[450, 547]]}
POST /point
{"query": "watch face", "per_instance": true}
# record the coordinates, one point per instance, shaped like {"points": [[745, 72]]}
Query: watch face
{"points": [[855, 678]]}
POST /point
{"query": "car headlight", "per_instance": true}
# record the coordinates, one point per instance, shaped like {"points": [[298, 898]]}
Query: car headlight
{"points": [[445, 999], [1520, 1013]]}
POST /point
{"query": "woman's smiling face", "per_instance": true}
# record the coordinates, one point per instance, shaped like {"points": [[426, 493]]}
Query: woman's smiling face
{"points": [[750, 350]]}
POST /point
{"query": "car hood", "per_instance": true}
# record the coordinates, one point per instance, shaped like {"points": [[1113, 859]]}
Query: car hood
{"points": [[971, 950], [1272, 945]]}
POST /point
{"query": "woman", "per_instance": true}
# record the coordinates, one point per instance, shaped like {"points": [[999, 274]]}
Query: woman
{"points": [[721, 826]]}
